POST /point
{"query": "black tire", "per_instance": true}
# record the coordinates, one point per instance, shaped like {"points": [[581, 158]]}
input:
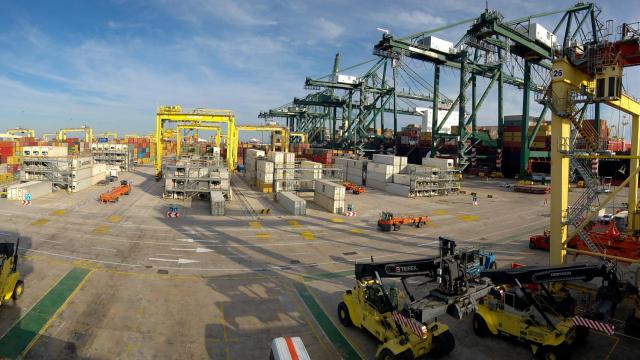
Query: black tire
{"points": [[386, 354], [419, 224], [532, 245], [559, 352], [581, 334], [632, 326], [18, 290], [396, 227], [343, 315], [480, 326], [442, 345]]}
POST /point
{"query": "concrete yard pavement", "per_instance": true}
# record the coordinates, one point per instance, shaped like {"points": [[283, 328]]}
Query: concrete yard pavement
{"points": [[222, 287]]}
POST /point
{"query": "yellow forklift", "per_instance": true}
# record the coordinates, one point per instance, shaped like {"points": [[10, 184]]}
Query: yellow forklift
{"points": [[405, 321], [533, 305], [11, 287]]}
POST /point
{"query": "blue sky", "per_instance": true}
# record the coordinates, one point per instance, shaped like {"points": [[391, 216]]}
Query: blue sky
{"points": [[109, 64]]}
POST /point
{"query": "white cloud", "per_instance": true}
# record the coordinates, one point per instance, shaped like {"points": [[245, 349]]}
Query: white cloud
{"points": [[328, 29], [201, 12], [411, 20]]}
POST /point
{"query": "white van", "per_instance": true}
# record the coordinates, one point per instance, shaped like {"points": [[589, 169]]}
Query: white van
{"points": [[288, 348]]}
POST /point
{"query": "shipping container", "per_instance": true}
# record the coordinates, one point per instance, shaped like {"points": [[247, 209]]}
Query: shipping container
{"points": [[332, 205], [217, 203], [37, 189], [292, 203], [330, 189]]}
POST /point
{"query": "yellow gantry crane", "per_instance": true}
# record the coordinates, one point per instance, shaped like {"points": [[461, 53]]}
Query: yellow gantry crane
{"points": [[49, 136], [107, 134], [181, 128], [88, 133], [301, 135], [596, 80], [275, 130], [175, 114], [17, 131]]}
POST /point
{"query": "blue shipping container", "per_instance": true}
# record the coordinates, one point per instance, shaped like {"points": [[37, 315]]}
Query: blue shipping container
{"points": [[103, 140]]}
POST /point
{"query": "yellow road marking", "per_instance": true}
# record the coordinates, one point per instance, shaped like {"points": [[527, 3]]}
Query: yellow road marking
{"points": [[294, 223], [57, 313], [101, 230], [263, 235], [469, 217], [255, 224], [357, 231], [59, 212], [40, 222], [440, 212], [337, 220], [308, 235], [115, 218]]}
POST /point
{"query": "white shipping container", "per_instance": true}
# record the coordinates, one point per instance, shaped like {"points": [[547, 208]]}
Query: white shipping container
{"points": [[276, 156], [97, 178], [47, 151], [292, 203], [330, 189], [99, 169], [376, 184], [538, 33], [81, 174], [387, 159], [381, 177], [380, 168], [403, 179], [442, 164], [427, 118], [217, 203], [397, 189], [346, 79], [289, 158], [81, 163], [37, 189], [356, 179], [434, 43], [80, 185], [329, 204], [254, 153]]}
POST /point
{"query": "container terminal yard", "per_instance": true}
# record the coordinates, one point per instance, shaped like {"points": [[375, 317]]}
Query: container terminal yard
{"points": [[344, 234]]}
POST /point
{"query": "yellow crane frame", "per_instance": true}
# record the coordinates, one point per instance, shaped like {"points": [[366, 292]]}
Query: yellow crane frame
{"points": [[198, 116], [45, 136], [274, 131], [180, 128], [30, 132], [567, 80], [106, 134], [301, 135], [88, 133]]}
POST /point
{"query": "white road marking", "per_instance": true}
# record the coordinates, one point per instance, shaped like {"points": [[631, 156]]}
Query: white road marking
{"points": [[53, 241], [101, 248], [179, 261], [198, 240], [198, 249], [79, 258]]}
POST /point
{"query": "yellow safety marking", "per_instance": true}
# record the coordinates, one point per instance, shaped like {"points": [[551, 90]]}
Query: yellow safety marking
{"points": [[357, 231], [101, 230], [59, 212], [115, 218], [255, 224], [440, 212], [308, 235], [294, 223], [469, 217], [263, 235], [40, 222], [225, 334], [337, 220]]}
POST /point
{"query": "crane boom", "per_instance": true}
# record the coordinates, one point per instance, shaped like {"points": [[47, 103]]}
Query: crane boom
{"points": [[544, 274]]}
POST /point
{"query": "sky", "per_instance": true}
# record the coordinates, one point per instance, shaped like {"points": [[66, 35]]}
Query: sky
{"points": [[110, 64]]}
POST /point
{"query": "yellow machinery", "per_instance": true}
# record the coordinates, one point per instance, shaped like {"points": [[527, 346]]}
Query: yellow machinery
{"points": [[88, 133], [181, 128], [11, 287], [214, 139], [275, 130], [195, 117], [112, 134], [29, 132], [301, 135], [570, 82], [49, 136]]}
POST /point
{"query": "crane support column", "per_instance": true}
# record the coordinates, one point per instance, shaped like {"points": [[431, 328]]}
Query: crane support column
{"points": [[632, 224], [158, 161], [524, 127]]}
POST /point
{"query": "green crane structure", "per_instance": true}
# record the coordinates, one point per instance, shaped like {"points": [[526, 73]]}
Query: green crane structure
{"points": [[491, 48]]}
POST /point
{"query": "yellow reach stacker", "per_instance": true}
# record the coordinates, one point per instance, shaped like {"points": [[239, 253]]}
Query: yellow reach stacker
{"points": [[11, 287]]}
